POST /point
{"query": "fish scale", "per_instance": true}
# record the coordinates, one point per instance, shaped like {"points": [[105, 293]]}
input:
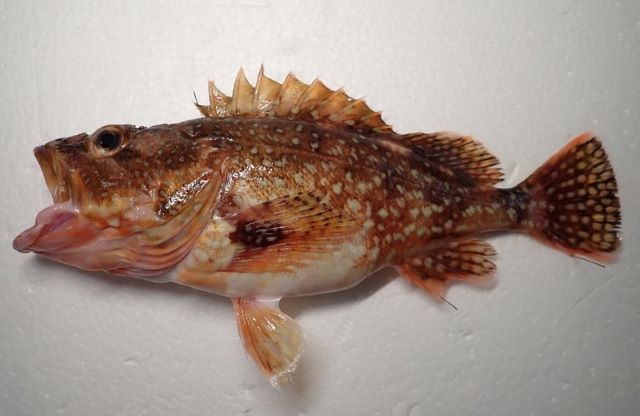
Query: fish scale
{"points": [[293, 189]]}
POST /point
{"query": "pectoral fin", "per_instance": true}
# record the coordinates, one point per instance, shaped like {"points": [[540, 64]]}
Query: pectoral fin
{"points": [[270, 337], [279, 235], [464, 260]]}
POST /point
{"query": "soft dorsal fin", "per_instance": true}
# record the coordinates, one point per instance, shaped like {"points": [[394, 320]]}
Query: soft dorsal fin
{"points": [[459, 153], [294, 100]]}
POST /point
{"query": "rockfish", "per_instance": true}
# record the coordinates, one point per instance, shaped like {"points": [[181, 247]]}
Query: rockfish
{"points": [[293, 189]]}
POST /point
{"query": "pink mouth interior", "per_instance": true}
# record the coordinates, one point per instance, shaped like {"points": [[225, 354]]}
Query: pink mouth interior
{"points": [[58, 227]]}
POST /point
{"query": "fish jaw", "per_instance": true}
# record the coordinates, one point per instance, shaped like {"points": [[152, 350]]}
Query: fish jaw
{"points": [[54, 173], [58, 227], [61, 231], [63, 234]]}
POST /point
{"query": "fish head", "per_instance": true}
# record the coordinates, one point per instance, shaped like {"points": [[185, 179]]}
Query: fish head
{"points": [[123, 197]]}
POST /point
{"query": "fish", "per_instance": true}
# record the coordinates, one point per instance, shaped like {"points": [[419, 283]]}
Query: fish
{"points": [[295, 189]]}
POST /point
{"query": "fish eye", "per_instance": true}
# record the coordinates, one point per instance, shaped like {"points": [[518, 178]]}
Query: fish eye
{"points": [[107, 141]]}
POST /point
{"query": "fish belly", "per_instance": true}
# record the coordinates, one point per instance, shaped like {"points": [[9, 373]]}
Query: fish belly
{"points": [[210, 267]]}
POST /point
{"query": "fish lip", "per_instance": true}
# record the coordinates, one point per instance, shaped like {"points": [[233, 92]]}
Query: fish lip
{"points": [[48, 221], [49, 165]]}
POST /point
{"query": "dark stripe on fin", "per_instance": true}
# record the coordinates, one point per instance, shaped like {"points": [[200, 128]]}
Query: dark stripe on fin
{"points": [[466, 261], [574, 203]]}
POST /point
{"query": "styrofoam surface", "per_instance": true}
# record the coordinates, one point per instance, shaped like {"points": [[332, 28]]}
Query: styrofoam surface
{"points": [[555, 336]]}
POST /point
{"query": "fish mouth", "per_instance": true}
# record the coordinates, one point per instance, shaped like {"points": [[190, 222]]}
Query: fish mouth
{"points": [[60, 226]]}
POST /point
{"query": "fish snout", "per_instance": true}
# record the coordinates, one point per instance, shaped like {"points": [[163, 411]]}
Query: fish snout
{"points": [[52, 171]]}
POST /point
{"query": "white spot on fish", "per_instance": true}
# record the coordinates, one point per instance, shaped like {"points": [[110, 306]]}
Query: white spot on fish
{"points": [[383, 213], [353, 204], [279, 182], [409, 229]]}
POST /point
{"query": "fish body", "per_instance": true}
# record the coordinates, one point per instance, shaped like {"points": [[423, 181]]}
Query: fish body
{"points": [[295, 189]]}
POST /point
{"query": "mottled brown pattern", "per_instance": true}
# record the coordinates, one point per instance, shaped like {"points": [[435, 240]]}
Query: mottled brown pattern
{"points": [[385, 189]]}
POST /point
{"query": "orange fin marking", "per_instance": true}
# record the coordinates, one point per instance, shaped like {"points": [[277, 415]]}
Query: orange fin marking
{"points": [[272, 339], [293, 100], [466, 261], [285, 233], [462, 154], [574, 203]]}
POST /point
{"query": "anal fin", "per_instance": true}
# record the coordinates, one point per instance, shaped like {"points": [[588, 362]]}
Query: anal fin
{"points": [[466, 261], [272, 339]]}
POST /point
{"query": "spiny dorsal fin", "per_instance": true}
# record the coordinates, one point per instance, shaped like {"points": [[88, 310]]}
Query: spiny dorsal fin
{"points": [[294, 100], [461, 154]]}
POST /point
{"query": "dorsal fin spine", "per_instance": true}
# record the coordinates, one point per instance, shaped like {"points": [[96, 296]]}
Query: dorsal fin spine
{"points": [[293, 100], [243, 93], [266, 94], [219, 103]]}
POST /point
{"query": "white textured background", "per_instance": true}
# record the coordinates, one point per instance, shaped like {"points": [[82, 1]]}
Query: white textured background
{"points": [[556, 336]]}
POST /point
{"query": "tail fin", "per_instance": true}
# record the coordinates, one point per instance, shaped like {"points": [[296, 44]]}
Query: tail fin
{"points": [[573, 201]]}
